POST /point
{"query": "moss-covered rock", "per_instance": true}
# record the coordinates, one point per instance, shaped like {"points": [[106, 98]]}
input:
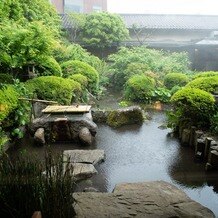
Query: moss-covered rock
{"points": [[125, 116]]}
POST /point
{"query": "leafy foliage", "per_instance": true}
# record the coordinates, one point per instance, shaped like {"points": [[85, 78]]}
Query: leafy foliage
{"points": [[21, 47], [173, 79], [51, 88], [209, 84], [25, 188], [6, 78], [81, 79], [103, 29], [27, 11], [158, 62], [74, 52], [8, 101], [195, 104], [78, 67], [140, 88], [206, 74]]}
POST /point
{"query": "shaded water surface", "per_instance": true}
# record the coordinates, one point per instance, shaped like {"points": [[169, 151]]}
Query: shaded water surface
{"points": [[146, 153]]}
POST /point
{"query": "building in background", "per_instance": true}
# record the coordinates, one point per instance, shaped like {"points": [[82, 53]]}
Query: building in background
{"points": [[80, 6], [59, 5]]}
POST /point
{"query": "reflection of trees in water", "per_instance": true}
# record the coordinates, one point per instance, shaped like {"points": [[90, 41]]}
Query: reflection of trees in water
{"points": [[185, 171]]}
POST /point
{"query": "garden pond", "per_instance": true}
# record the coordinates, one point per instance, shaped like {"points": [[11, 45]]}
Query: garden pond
{"points": [[143, 153]]}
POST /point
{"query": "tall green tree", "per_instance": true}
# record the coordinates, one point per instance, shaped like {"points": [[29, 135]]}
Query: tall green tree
{"points": [[29, 34], [103, 29]]}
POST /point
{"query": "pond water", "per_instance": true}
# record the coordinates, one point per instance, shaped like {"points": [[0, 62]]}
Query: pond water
{"points": [[146, 153]]}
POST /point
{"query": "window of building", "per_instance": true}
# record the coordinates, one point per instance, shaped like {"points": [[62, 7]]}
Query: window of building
{"points": [[73, 6], [97, 8]]}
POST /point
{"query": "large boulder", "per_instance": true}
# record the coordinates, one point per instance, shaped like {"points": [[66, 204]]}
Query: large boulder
{"points": [[125, 116], [148, 199]]}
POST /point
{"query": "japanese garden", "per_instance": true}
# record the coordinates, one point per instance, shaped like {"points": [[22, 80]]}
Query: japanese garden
{"points": [[80, 110]]}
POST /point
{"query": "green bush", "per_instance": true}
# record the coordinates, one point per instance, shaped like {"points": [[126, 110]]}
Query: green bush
{"points": [[51, 88], [76, 52], [139, 88], [8, 101], [141, 58], [78, 67], [6, 78], [195, 104], [81, 79], [173, 79], [205, 74], [208, 84], [76, 90], [48, 66]]}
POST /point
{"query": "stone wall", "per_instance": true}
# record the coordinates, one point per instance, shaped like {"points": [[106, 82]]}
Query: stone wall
{"points": [[205, 147]]}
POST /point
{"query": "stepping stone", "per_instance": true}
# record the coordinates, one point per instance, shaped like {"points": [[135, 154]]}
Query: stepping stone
{"points": [[84, 156], [82, 171]]}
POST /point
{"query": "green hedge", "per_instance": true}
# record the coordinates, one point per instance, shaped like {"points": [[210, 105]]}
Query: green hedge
{"points": [[78, 67], [195, 104], [81, 79], [49, 67], [175, 79], [209, 84], [206, 74], [52, 88], [139, 88], [8, 101]]}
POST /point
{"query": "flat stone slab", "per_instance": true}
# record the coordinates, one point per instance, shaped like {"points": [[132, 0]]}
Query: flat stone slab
{"points": [[82, 171], [85, 156], [148, 199]]}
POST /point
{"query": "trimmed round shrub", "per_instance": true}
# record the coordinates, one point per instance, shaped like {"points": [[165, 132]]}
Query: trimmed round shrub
{"points": [[6, 78], [139, 88], [78, 67], [49, 67], [8, 101], [209, 84], [175, 79], [206, 74], [82, 80], [195, 104], [76, 90], [51, 88]]}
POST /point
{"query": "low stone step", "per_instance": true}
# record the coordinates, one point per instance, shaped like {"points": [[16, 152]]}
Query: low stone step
{"points": [[148, 199]]}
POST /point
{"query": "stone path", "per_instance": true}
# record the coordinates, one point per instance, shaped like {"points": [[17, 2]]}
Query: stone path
{"points": [[83, 162], [148, 199]]}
